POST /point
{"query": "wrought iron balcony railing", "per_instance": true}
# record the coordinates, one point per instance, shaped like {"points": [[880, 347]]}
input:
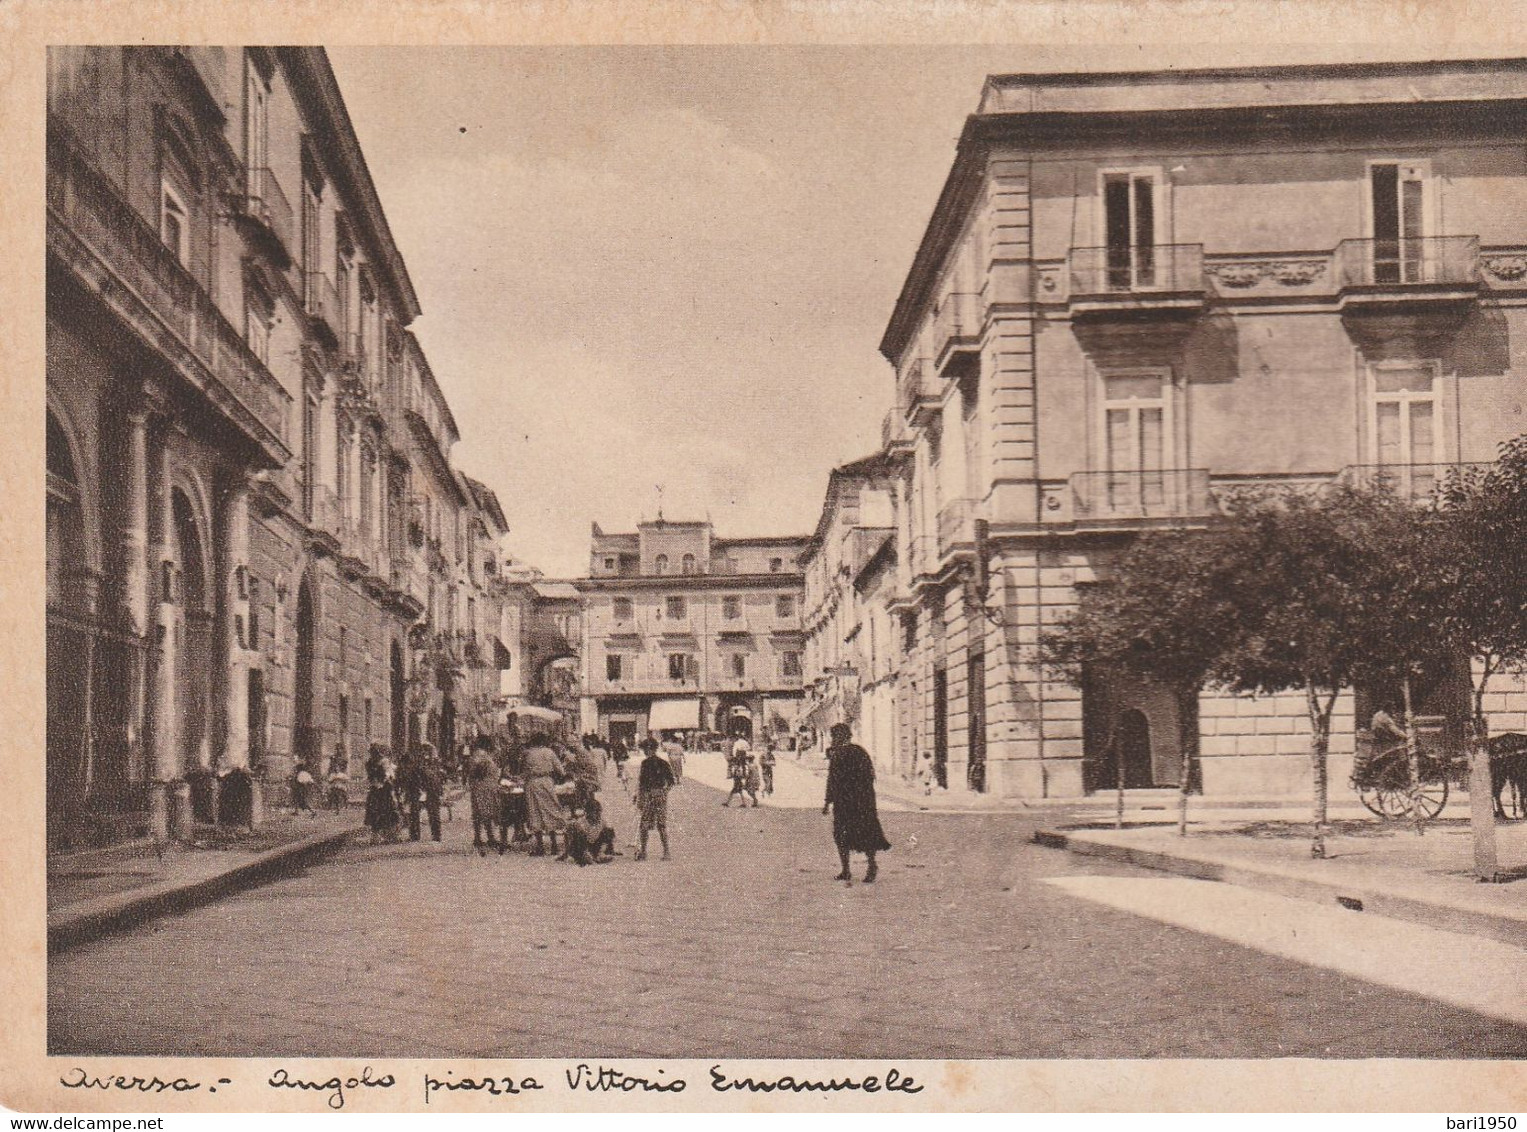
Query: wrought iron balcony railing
{"points": [[1418, 483], [267, 204], [1137, 270], [1177, 493], [84, 203], [1408, 262]]}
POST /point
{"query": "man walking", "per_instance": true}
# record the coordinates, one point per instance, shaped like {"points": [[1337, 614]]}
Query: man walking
{"points": [[652, 785], [482, 781], [423, 779], [851, 797], [766, 762]]}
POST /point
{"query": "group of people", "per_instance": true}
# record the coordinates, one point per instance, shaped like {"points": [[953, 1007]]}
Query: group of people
{"points": [[526, 787], [750, 775]]}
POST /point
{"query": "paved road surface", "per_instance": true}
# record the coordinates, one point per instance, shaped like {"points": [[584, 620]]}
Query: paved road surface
{"points": [[974, 943]]}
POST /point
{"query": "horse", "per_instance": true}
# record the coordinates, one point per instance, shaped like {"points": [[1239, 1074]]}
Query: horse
{"points": [[1508, 771]]}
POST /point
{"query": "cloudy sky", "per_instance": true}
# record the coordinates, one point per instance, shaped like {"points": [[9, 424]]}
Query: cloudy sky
{"points": [[646, 267]]}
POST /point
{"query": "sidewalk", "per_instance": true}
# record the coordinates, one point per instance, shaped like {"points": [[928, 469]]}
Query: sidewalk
{"points": [[90, 894], [1374, 866]]}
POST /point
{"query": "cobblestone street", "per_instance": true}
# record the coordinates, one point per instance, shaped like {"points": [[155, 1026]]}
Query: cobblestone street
{"points": [[743, 945]]}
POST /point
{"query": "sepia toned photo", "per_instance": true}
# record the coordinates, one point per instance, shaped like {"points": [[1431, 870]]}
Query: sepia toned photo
{"points": [[787, 567]]}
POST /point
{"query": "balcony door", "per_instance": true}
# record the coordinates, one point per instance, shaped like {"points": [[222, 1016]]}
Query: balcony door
{"points": [[1398, 206], [1405, 427], [1137, 431], [1130, 219]]}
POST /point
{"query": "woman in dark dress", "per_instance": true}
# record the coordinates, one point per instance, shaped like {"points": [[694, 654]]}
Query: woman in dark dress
{"points": [[851, 797], [381, 806]]}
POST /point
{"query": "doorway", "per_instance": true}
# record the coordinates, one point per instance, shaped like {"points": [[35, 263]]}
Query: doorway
{"points": [[398, 691], [1398, 198], [975, 685], [1133, 750], [941, 726], [306, 736]]}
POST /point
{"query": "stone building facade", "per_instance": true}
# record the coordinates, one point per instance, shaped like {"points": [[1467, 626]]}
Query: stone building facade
{"points": [[685, 631], [258, 551], [1138, 291]]}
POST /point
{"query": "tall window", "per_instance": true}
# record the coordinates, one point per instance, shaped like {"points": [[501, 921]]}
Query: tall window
{"points": [[623, 609], [680, 665], [687, 564], [789, 664], [256, 129], [660, 563], [776, 565], [731, 608], [257, 333], [174, 223], [612, 667], [675, 609], [1404, 425], [1136, 428], [1129, 230], [342, 463], [739, 665], [312, 254], [784, 606], [1398, 198], [309, 449]]}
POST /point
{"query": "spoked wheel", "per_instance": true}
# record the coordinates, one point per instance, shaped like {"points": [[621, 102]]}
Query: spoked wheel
{"points": [[1385, 800], [1430, 798], [1513, 805]]}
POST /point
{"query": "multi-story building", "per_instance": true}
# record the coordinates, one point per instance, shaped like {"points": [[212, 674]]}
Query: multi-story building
{"points": [[685, 631], [857, 518], [254, 534], [1139, 290]]}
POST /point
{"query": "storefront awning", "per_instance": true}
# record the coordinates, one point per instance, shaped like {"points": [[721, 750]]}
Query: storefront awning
{"points": [[674, 715]]}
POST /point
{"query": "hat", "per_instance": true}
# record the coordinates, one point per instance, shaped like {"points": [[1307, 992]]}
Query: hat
{"points": [[841, 733], [648, 744]]}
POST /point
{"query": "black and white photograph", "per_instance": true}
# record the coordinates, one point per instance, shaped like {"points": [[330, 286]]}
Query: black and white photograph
{"points": [[695, 559]]}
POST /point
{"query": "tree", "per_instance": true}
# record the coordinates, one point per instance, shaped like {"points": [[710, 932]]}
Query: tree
{"points": [[1308, 605], [1165, 613], [1477, 575]]}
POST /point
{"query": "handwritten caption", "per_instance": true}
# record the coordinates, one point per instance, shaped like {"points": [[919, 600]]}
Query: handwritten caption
{"points": [[333, 1091]]}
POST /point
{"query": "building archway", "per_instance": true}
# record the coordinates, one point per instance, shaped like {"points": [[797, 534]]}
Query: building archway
{"points": [[1132, 741], [68, 640], [193, 621]]}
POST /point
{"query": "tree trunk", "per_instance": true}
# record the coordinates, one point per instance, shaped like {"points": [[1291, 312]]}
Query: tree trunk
{"points": [[1413, 758], [1320, 745], [1481, 793]]}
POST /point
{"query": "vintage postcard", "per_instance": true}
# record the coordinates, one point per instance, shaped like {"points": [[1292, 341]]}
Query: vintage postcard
{"points": [[763, 557]]}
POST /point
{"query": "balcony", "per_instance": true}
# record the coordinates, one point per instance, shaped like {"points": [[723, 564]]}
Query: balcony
{"points": [[326, 519], [1104, 497], [409, 586], [956, 525], [113, 251], [923, 555], [918, 392], [1430, 276], [322, 302], [271, 213], [1164, 280], [956, 328], [1416, 483]]}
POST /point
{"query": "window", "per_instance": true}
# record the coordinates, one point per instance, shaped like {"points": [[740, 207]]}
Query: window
{"points": [[1399, 202], [784, 605], [254, 614], [1136, 436], [368, 719], [739, 665], [257, 334], [612, 667], [680, 665], [789, 664], [687, 564], [309, 450], [341, 464], [174, 223], [660, 563], [609, 563], [776, 565], [256, 129], [1403, 426], [731, 608], [1129, 230], [623, 609], [675, 609]]}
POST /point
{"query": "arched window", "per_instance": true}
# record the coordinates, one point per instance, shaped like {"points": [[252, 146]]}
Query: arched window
{"points": [[687, 565], [660, 563]]}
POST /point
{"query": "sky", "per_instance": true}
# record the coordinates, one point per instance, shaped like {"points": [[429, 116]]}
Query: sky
{"points": [[658, 276]]}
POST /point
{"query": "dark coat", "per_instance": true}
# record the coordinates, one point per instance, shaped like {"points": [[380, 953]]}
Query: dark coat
{"points": [[851, 793]]}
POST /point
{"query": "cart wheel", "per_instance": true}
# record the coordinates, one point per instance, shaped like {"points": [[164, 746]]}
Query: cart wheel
{"points": [[1378, 800], [1430, 798], [1513, 805]]}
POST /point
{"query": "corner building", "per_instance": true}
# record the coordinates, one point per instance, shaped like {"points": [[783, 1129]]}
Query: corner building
{"points": [[257, 550], [686, 631], [1138, 291]]}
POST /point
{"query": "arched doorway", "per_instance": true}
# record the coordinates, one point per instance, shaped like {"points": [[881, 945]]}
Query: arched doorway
{"points": [[1133, 747], [398, 690], [193, 654], [306, 738]]}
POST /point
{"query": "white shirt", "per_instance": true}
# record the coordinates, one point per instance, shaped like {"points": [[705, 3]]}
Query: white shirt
{"points": [[741, 748]]}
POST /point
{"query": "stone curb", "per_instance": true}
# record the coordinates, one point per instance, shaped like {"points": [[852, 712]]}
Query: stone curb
{"points": [[91, 919], [1357, 896]]}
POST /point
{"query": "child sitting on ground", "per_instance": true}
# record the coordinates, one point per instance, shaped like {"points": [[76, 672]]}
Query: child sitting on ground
{"points": [[588, 838]]}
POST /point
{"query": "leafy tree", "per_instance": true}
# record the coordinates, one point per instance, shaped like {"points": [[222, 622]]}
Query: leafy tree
{"points": [[1166, 613], [1312, 605]]}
